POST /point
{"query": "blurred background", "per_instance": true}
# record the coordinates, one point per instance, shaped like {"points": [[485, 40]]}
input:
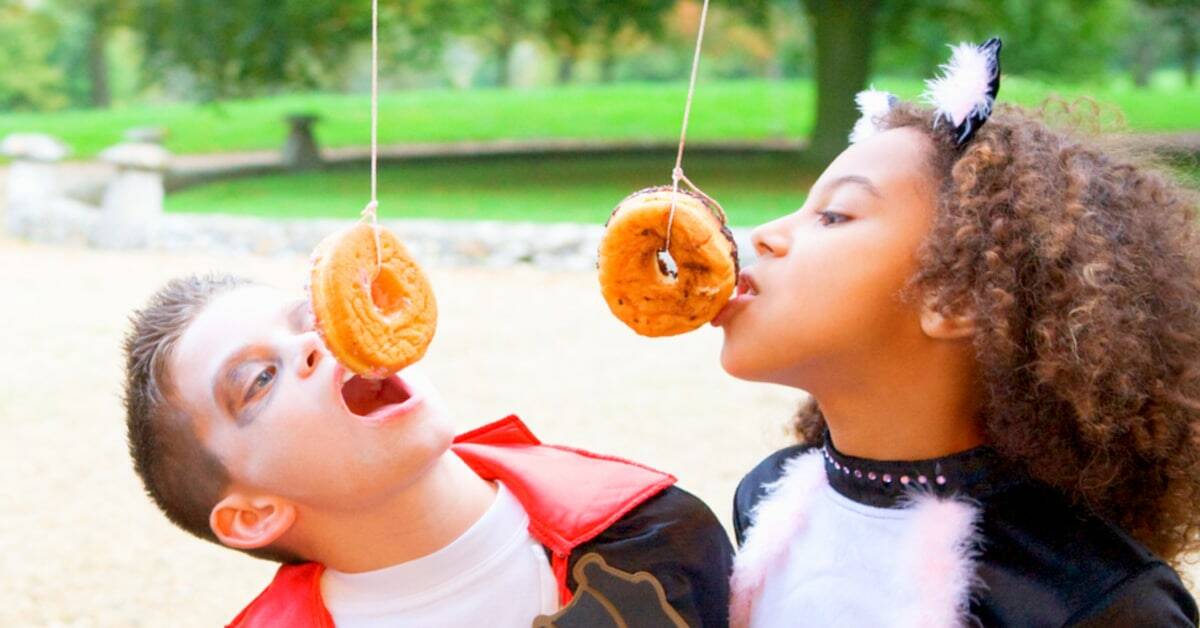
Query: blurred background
{"points": [[144, 139], [777, 78]]}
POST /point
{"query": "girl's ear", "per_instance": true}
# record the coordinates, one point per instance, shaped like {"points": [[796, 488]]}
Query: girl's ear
{"points": [[941, 327], [246, 522]]}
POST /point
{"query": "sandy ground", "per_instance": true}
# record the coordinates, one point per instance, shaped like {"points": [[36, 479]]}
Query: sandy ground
{"points": [[81, 546]]}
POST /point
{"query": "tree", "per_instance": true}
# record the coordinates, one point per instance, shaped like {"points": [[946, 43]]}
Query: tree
{"points": [[26, 42], [1071, 37], [566, 28], [82, 48], [242, 47], [569, 25], [1185, 16], [497, 25], [844, 34]]}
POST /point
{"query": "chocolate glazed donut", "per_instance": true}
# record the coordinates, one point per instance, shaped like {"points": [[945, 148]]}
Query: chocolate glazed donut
{"points": [[639, 288]]}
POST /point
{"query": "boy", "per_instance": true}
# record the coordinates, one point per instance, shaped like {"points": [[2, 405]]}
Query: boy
{"points": [[247, 433]]}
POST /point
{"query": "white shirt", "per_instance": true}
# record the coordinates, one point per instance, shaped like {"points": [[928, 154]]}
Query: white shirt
{"points": [[494, 572], [843, 571]]}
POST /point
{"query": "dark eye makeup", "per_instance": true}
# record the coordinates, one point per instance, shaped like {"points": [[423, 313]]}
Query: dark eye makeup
{"points": [[261, 381]]}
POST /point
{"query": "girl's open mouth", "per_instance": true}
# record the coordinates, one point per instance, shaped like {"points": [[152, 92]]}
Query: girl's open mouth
{"points": [[376, 399], [746, 290]]}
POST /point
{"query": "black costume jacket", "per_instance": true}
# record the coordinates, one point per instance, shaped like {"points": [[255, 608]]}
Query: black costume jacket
{"points": [[1039, 562]]}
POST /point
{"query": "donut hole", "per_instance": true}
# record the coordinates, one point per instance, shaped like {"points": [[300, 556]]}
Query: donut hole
{"points": [[667, 266], [387, 292]]}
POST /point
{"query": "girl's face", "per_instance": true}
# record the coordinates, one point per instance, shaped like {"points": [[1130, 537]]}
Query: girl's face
{"points": [[823, 301]]}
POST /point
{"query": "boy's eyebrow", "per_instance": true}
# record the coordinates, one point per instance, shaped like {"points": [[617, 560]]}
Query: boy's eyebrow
{"points": [[855, 179], [299, 315]]}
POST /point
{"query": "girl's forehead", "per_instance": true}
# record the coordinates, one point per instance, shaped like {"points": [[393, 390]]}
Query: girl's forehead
{"points": [[893, 157]]}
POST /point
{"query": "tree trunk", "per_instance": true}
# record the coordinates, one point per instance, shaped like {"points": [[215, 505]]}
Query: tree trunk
{"points": [[1189, 47], [566, 67], [1143, 63], [844, 34], [97, 62], [504, 63], [608, 58]]}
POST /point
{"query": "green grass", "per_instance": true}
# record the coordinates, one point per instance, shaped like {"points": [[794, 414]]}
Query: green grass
{"points": [[748, 109], [752, 189]]}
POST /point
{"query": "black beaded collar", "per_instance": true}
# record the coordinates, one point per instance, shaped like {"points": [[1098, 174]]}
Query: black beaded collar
{"points": [[973, 473]]}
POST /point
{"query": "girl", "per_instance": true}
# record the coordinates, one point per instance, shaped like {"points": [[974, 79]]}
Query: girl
{"points": [[999, 327]]}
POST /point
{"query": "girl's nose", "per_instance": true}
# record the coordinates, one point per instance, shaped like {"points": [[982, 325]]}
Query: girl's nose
{"points": [[310, 355], [771, 239]]}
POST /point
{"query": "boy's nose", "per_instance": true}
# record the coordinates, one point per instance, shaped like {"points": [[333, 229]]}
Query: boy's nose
{"points": [[310, 354]]}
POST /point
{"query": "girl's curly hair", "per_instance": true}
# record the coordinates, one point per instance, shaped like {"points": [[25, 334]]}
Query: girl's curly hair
{"points": [[1083, 272]]}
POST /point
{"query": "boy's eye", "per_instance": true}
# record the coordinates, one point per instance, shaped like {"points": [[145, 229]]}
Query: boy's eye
{"points": [[261, 381], [831, 218]]}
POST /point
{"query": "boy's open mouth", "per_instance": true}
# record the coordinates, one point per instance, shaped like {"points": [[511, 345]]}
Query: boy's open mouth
{"points": [[374, 397]]}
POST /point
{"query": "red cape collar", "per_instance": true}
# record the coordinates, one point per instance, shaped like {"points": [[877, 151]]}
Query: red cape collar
{"points": [[570, 495]]}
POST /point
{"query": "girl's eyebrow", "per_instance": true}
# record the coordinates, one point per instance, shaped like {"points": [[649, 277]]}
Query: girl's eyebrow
{"points": [[862, 181]]}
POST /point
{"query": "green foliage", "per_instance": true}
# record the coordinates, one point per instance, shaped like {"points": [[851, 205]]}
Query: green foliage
{"points": [[246, 46], [29, 80], [1071, 39]]}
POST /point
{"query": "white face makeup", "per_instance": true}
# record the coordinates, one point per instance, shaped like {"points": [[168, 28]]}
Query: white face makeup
{"points": [[285, 418]]}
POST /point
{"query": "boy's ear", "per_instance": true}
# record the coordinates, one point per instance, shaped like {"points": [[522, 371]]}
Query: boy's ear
{"points": [[245, 522], [942, 327]]}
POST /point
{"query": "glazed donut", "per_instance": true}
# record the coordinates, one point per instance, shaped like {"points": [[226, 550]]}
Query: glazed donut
{"points": [[637, 285], [375, 323]]}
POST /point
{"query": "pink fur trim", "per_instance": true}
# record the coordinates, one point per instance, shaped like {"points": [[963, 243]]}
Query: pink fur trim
{"points": [[962, 88], [942, 551], [872, 104], [940, 548], [778, 517]]}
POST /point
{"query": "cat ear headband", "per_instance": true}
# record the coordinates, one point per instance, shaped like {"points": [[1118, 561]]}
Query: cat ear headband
{"points": [[962, 96]]}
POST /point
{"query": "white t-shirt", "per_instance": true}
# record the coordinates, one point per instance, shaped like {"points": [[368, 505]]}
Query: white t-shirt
{"points": [[494, 572], [843, 570]]}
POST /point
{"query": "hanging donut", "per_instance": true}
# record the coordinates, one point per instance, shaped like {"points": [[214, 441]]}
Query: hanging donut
{"points": [[639, 287], [376, 315]]}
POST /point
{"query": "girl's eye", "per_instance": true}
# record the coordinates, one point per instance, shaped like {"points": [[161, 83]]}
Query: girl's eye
{"points": [[831, 218], [260, 382]]}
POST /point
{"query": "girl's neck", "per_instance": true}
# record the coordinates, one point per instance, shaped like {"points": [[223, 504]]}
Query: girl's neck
{"points": [[906, 411], [415, 522], [911, 437]]}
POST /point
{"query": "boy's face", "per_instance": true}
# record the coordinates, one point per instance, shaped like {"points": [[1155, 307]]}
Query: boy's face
{"points": [[824, 294], [268, 400]]}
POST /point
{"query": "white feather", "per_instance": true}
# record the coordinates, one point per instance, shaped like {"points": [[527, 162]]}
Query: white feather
{"points": [[962, 89], [873, 104]]}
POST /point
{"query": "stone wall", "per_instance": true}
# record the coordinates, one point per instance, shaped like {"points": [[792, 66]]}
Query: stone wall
{"points": [[131, 216]]}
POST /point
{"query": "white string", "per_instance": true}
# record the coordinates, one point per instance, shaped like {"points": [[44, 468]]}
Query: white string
{"points": [[677, 173], [372, 208]]}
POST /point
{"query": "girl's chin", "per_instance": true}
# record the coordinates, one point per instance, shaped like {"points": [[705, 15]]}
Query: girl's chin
{"points": [[736, 364]]}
